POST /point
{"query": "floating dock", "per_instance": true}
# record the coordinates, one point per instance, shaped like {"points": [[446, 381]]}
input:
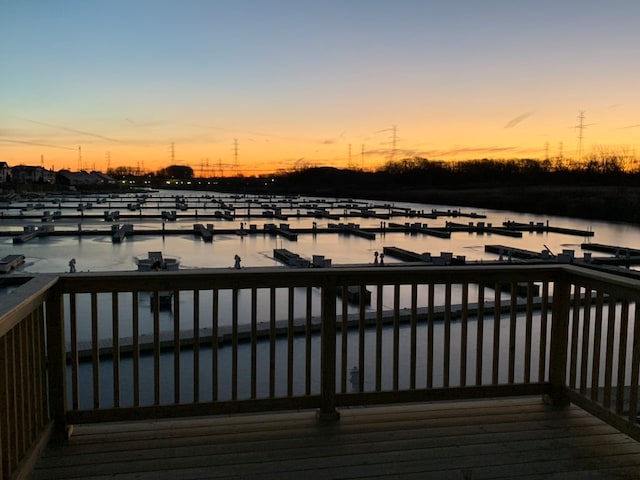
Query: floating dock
{"points": [[30, 232], [418, 227], [289, 258], [10, 262], [541, 227], [482, 228], [205, 233], [511, 252], [352, 229], [406, 255], [282, 230], [120, 232]]}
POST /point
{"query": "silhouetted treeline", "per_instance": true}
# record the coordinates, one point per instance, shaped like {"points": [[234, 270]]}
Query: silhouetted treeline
{"points": [[602, 187], [597, 189]]}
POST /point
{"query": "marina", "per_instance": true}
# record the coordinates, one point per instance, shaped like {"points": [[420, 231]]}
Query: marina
{"points": [[349, 231]]}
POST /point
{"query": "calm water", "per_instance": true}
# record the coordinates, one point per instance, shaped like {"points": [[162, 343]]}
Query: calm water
{"points": [[98, 253]]}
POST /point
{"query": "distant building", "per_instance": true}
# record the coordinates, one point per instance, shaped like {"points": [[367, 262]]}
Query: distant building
{"points": [[31, 174], [67, 177], [5, 172]]}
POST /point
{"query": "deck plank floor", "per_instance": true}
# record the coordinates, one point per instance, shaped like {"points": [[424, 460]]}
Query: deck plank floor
{"points": [[509, 438]]}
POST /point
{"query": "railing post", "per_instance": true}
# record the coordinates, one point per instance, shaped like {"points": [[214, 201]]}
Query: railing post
{"points": [[56, 362], [327, 411], [559, 341]]}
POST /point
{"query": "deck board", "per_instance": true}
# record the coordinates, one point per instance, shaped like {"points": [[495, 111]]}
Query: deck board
{"points": [[512, 438]]}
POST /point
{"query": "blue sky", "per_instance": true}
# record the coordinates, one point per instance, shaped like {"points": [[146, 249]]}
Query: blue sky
{"points": [[294, 82]]}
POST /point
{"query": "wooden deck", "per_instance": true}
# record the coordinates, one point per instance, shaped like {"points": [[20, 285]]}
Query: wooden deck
{"points": [[519, 438]]}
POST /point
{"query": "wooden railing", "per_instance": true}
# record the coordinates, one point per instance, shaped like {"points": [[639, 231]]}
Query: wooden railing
{"points": [[132, 345], [24, 419]]}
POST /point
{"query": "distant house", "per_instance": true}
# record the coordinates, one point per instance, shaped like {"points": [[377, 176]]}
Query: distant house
{"points": [[5, 172], [31, 174], [105, 178], [67, 177]]}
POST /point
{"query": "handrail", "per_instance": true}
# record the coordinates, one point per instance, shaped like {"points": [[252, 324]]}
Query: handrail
{"points": [[279, 338]]}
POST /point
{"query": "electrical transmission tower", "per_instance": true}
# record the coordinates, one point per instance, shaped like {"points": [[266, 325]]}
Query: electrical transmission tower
{"points": [[581, 126], [394, 142], [235, 155]]}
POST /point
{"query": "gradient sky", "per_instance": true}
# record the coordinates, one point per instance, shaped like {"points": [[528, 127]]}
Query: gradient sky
{"points": [[262, 85]]}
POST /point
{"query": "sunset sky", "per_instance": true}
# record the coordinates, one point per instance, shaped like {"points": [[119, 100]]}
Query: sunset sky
{"points": [[261, 85]]}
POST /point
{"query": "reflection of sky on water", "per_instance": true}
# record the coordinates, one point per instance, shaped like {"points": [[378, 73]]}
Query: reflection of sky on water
{"points": [[98, 253]]}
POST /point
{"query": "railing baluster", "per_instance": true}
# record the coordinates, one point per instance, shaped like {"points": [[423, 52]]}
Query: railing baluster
{"points": [[430, 330], [18, 385], [272, 342], [361, 338], [413, 339], [608, 362], [622, 356], [115, 336], [464, 334], [176, 346], [396, 336], [575, 328], [544, 326], [586, 335], [29, 369], [528, 340], [135, 327], [13, 398], [512, 332], [14, 441], [379, 296], [597, 339], [496, 333], [75, 362], [480, 336], [254, 341], [635, 367], [5, 388], [308, 344], [290, 338], [214, 342], [196, 346], [344, 336], [446, 361], [39, 370], [155, 302], [95, 350], [234, 344]]}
